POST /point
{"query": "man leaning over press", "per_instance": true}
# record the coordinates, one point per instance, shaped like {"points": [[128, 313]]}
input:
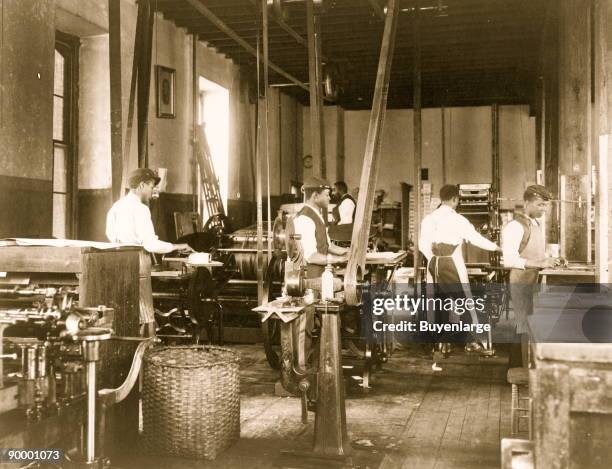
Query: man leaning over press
{"points": [[524, 253], [129, 222]]}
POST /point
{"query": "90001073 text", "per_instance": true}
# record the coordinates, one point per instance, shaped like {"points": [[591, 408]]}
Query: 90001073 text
{"points": [[25, 455]]}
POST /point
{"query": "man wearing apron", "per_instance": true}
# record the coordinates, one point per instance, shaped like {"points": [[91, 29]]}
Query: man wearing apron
{"points": [[524, 253], [317, 250], [443, 233], [129, 222]]}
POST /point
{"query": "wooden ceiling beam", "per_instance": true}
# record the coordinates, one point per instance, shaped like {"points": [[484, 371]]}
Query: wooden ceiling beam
{"points": [[227, 30], [518, 21], [347, 54]]}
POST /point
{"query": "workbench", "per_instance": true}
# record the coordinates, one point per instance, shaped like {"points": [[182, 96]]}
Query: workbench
{"points": [[583, 271]]}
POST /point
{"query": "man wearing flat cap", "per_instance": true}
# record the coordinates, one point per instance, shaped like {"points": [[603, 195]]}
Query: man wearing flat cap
{"points": [[310, 225], [524, 253], [129, 219], [129, 222]]}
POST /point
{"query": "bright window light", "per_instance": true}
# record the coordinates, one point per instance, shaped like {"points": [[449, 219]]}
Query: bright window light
{"points": [[214, 114]]}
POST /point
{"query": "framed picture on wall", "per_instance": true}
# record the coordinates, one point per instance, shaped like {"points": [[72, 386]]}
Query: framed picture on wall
{"points": [[166, 91]]}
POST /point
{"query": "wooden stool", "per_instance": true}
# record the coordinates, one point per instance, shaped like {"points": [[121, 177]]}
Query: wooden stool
{"points": [[520, 406]]}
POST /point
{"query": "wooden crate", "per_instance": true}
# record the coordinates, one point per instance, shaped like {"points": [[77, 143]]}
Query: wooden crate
{"points": [[571, 388]]}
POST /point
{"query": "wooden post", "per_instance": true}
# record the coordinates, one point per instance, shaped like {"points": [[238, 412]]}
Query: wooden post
{"points": [[317, 131], [416, 97], [550, 56], [540, 116], [195, 91], [132, 98], [600, 139], [144, 82], [340, 145], [443, 119], [116, 98], [574, 125]]}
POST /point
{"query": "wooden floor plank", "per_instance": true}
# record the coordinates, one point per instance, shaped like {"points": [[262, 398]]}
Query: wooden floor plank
{"points": [[457, 425], [492, 424], [477, 413]]}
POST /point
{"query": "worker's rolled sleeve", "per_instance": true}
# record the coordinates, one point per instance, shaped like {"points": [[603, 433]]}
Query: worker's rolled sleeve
{"points": [[512, 236]]}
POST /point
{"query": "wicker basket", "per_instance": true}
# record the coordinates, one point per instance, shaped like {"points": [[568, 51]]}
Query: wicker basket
{"points": [[191, 401]]}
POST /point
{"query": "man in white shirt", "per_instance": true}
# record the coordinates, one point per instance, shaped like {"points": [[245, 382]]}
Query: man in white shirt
{"points": [[443, 233], [344, 211], [524, 253], [129, 219], [129, 222]]}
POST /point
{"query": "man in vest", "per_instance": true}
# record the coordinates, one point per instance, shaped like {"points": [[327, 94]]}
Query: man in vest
{"points": [[344, 211], [318, 251], [524, 253], [310, 225], [443, 233]]}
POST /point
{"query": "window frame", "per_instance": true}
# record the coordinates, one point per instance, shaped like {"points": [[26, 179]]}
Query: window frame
{"points": [[68, 46]]}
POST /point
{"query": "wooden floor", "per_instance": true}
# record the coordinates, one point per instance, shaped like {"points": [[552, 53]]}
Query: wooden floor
{"points": [[458, 424], [412, 418]]}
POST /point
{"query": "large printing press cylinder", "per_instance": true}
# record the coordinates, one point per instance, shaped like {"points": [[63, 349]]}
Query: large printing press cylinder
{"points": [[243, 250]]}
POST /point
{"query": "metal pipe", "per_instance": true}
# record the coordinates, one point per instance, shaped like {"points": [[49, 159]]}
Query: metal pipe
{"points": [[317, 135], [258, 188], [284, 85], [91, 411], [267, 108]]}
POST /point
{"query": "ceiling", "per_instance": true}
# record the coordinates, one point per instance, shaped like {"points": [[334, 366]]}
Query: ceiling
{"points": [[473, 51]]}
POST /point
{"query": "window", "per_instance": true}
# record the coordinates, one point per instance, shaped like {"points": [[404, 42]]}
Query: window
{"points": [[64, 135], [214, 114]]}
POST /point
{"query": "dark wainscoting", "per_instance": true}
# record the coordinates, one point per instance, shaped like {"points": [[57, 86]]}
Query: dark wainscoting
{"points": [[26, 207], [241, 213], [162, 212], [92, 208]]}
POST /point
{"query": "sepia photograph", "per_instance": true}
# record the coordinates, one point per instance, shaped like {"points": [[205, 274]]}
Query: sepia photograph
{"points": [[303, 234]]}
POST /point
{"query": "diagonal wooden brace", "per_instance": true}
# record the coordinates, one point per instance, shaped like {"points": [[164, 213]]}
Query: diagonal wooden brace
{"points": [[371, 160]]}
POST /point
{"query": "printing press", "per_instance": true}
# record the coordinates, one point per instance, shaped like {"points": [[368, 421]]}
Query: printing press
{"points": [[196, 301]]}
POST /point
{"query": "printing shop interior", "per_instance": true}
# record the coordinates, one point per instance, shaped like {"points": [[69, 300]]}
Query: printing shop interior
{"points": [[305, 233]]}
